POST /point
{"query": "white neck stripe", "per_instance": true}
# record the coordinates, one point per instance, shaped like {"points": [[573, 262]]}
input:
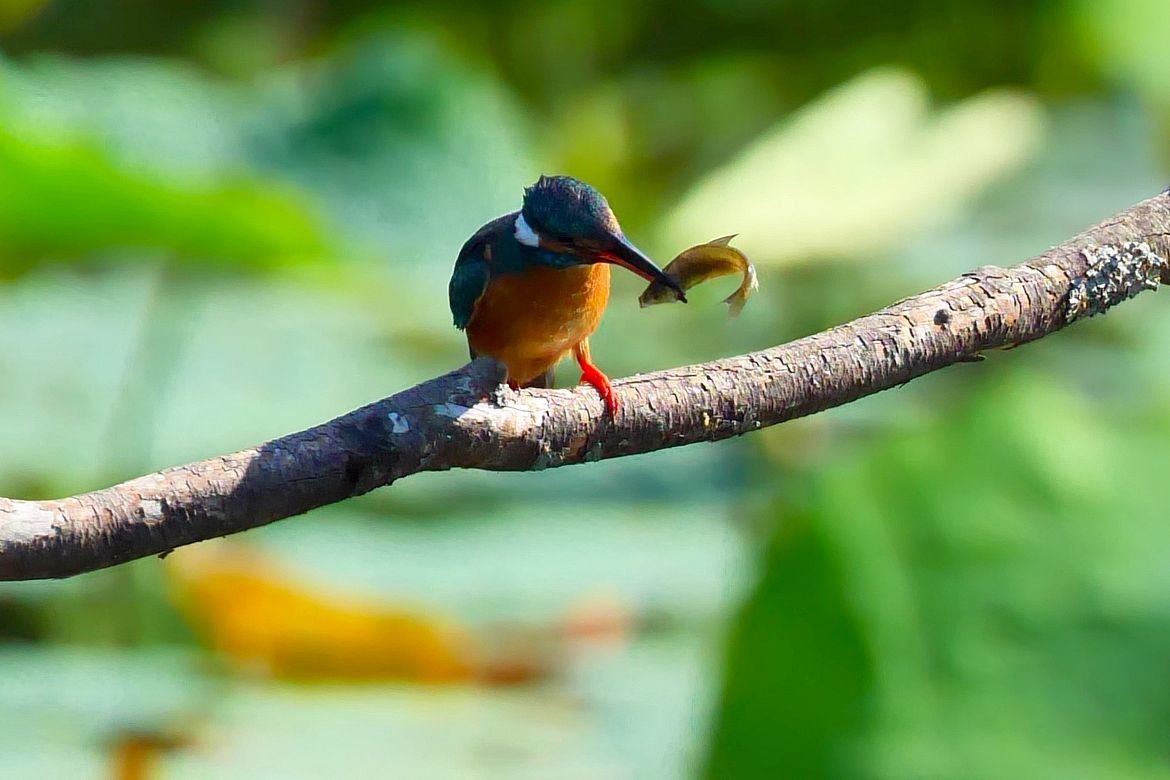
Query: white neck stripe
{"points": [[524, 234]]}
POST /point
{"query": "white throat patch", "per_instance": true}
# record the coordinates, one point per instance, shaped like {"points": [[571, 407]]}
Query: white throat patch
{"points": [[524, 234]]}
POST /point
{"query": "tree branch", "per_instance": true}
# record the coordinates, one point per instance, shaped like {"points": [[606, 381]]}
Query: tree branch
{"points": [[466, 419]]}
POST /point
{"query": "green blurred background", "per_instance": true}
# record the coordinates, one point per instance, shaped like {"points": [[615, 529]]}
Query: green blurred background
{"points": [[223, 221]]}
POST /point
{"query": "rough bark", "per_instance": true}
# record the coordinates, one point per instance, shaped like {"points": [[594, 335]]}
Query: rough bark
{"points": [[465, 419]]}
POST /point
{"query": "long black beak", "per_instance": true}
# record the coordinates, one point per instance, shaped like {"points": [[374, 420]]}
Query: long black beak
{"points": [[622, 252]]}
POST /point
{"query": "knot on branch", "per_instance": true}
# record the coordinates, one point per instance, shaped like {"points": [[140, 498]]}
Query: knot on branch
{"points": [[1114, 274]]}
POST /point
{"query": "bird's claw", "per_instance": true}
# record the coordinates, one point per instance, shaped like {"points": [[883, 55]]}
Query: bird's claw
{"points": [[592, 375]]}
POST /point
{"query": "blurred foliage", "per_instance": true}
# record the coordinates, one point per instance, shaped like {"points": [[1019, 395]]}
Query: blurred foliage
{"points": [[104, 208], [1109, 34], [66, 197], [258, 619], [1002, 616], [859, 169], [223, 221], [263, 620], [14, 13]]}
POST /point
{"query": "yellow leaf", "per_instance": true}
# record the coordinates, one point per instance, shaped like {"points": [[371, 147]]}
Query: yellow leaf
{"points": [[259, 618]]}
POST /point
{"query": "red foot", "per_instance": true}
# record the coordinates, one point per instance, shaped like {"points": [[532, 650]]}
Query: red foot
{"points": [[591, 374]]}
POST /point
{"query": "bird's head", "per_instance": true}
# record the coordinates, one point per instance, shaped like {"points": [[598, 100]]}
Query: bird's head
{"points": [[567, 217]]}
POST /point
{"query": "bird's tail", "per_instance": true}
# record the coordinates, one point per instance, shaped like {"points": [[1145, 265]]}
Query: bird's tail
{"points": [[545, 379]]}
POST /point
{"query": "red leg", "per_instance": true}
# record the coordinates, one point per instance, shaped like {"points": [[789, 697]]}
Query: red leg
{"points": [[592, 375]]}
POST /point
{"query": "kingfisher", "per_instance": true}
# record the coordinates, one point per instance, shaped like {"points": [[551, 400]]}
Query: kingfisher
{"points": [[530, 287]]}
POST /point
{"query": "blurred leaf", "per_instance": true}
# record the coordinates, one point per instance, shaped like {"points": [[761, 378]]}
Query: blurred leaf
{"points": [[1109, 34], [1002, 570], [257, 618], [63, 356], [794, 694], [96, 693], [859, 170], [133, 155], [157, 117], [521, 552], [71, 200], [14, 12], [411, 148]]}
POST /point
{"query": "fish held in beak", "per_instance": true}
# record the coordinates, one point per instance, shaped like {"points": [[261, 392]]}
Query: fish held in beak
{"points": [[622, 252], [700, 263]]}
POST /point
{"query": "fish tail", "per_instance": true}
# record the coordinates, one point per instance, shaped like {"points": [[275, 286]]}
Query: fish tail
{"points": [[735, 302]]}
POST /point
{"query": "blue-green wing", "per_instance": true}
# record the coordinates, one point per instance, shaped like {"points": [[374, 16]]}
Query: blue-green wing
{"points": [[473, 269], [468, 282]]}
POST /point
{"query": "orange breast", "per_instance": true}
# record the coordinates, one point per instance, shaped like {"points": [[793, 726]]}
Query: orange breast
{"points": [[529, 321]]}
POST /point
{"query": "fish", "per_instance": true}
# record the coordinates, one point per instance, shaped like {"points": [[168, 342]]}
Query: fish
{"points": [[702, 262]]}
